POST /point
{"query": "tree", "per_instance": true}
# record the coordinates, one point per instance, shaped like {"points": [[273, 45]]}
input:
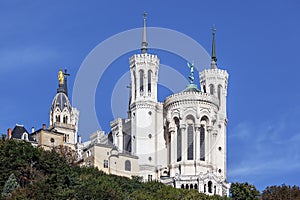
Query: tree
{"points": [[281, 192], [10, 185], [244, 191]]}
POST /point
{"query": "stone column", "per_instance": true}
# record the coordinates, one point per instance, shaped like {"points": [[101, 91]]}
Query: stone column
{"points": [[197, 142], [172, 143], [183, 142], [137, 82], [172, 147], [208, 147], [214, 147]]}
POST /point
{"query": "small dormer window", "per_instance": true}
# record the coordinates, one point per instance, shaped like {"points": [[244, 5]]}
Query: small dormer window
{"points": [[25, 136]]}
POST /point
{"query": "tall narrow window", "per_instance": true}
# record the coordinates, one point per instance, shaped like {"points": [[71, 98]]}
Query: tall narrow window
{"points": [[105, 164], [211, 89], [149, 82], [149, 177], [219, 93], [204, 88], [57, 118], [178, 144], [202, 143], [209, 186], [190, 152], [141, 81], [65, 119], [127, 165], [215, 189], [134, 84]]}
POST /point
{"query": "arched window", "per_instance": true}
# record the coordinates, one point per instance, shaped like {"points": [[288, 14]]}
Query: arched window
{"points": [[65, 119], [25, 136], [57, 118], [141, 81], [127, 165], [204, 88], [209, 186], [178, 140], [182, 186], [149, 82], [186, 186], [196, 186], [134, 85], [202, 143], [191, 186], [211, 89], [219, 93], [215, 189], [204, 188], [190, 152]]}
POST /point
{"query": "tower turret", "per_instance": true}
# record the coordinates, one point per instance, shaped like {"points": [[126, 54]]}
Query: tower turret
{"points": [[214, 82], [146, 113], [63, 117]]}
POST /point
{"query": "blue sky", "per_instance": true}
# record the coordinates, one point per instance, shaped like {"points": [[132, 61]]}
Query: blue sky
{"points": [[257, 43]]}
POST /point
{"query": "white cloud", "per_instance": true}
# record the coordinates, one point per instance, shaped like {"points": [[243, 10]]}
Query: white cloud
{"points": [[265, 149]]}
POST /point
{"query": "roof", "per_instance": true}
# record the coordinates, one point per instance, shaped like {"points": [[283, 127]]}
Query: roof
{"points": [[53, 131], [191, 88], [18, 132], [61, 101]]}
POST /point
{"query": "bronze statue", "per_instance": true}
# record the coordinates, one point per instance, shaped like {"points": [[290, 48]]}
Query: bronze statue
{"points": [[191, 77]]}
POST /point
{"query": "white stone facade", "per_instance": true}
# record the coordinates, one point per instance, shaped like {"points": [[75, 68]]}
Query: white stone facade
{"points": [[180, 142]]}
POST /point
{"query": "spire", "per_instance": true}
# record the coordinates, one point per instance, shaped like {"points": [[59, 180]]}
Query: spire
{"points": [[144, 42], [213, 50]]}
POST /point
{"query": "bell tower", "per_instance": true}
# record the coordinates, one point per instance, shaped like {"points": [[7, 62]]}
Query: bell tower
{"points": [[144, 73], [63, 117], [146, 113], [214, 82]]}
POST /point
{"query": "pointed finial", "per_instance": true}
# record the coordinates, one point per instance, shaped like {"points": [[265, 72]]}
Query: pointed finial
{"points": [[144, 41], [213, 49]]}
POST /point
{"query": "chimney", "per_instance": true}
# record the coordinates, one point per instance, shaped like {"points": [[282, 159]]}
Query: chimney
{"points": [[32, 129], [79, 139], [44, 126], [9, 133]]}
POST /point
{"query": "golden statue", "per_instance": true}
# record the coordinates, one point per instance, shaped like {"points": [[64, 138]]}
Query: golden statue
{"points": [[61, 77]]}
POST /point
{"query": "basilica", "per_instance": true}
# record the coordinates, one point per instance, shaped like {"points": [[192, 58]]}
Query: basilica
{"points": [[180, 142]]}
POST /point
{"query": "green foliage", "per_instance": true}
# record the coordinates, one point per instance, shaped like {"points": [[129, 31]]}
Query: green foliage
{"points": [[281, 192], [10, 185], [52, 175], [244, 191]]}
